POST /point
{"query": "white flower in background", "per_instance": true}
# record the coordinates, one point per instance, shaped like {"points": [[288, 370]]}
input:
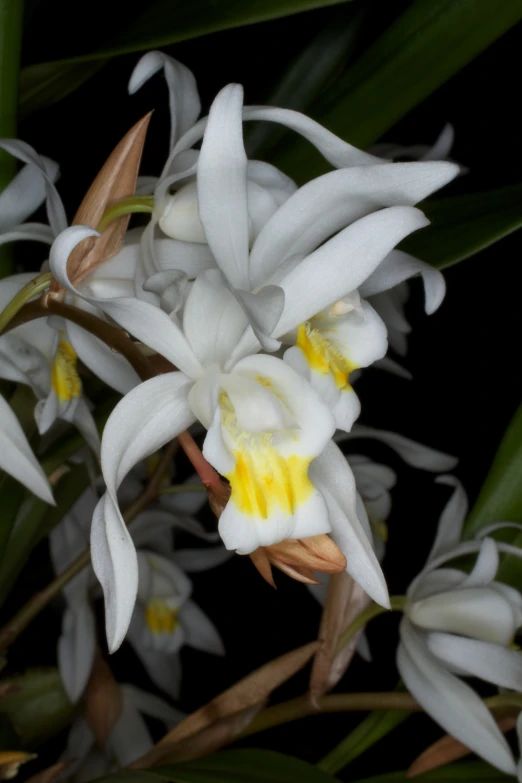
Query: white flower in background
{"points": [[462, 625], [439, 150], [164, 589], [129, 739], [16, 456]]}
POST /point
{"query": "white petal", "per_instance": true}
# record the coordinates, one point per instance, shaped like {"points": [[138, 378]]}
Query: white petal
{"points": [[213, 321], [35, 232], [130, 737], [76, 647], [112, 368], [153, 706], [222, 186], [17, 458], [146, 322], [263, 309], [478, 612], [449, 529], [393, 367], [331, 202], [450, 702], [164, 669], [490, 662], [48, 171], [194, 560], [399, 266], [325, 276], [486, 565], [200, 632], [115, 564], [415, 454], [184, 100], [84, 422], [443, 144], [333, 476]]}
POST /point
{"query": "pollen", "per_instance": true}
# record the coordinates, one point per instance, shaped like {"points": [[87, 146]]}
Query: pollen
{"points": [[64, 376], [323, 356], [159, 617]]}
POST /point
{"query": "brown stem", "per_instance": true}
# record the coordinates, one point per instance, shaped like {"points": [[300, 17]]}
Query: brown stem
{"points": [[112, 336], [218, 491], [34, 606]]}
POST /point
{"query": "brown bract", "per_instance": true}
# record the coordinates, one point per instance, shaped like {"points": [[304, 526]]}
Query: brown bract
{"points": [[239, 704], [345, 600], [116, 180], [103, 701], [299, 558]]}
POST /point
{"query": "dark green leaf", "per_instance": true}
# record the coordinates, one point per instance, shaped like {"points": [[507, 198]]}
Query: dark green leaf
{"points": [[375, 726], [309, 74], [244, 766], [422, 49], [453, 773], [500, 499], [463, 225], [163, 22]]}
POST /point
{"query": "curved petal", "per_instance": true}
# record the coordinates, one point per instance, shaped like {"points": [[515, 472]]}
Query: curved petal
{"points": [[184, 102], [486, 565], [164, 669], [490, 662], [222, 186], [443, 144], [17, 458], [449, 528], [152, 705], [451, 703], [48, 172], [399, 266], [335, 200], [76, 647], [35, 232], [324, 276], [130, 737], [200, 632], [413, 453], [146, 322], [333, 476], [195, 560]]}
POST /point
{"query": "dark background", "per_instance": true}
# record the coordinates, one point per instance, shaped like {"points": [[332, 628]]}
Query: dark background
{"points": [[465, 358]]}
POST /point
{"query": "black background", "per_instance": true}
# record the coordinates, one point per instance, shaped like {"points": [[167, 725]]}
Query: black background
{"points": [[465, 358]]}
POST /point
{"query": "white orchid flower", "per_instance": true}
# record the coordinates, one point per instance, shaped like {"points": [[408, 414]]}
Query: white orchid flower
{"points": [[462, 625], [16, 455], [165, 618], [129, 739]]}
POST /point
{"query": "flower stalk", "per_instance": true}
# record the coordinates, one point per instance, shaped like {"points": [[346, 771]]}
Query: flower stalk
{"points": [[32, 289], [374, 610]]}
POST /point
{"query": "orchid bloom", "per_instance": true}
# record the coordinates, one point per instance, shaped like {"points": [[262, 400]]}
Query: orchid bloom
{"points": [[462, 625], [163, 589], [129, 739]]}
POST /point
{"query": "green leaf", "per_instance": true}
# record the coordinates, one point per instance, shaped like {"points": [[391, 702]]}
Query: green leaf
{"points": [[463, 225], [375, 726], [38, 707], [309, 74], [163, 23], [422, 49], [500, 498], [232, 766], [453, 773]]}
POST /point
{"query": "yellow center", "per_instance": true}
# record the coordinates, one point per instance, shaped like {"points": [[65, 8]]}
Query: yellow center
{"points": [[324, 357], [159, 617], [263, 481], [64, 377]]}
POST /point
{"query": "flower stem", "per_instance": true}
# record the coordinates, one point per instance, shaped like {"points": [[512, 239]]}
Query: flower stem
{"points": [[33, 288], [374, 610], [34, 606], [126, 206], [218, 491]]}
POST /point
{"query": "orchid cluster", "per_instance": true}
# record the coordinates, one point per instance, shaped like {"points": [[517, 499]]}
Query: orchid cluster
{"points": [[243, 308]]}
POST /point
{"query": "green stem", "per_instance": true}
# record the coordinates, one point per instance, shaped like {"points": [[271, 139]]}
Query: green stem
{"points": [[11, 13], [34, 287], [126, 206], [397, 603], [179, 489]]}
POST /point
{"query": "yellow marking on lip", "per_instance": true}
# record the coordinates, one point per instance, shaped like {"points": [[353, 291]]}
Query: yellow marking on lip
{"points": [[64, 376], [324, 357], [263, 481], [159, 617]]}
